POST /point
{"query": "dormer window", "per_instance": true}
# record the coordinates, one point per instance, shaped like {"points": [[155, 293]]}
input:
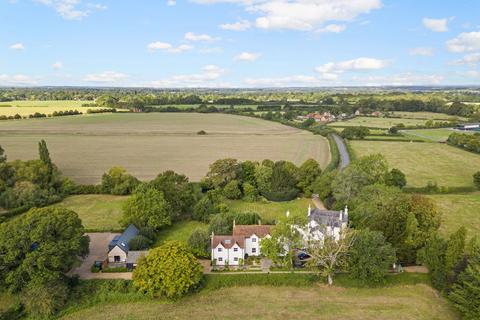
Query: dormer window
{"points": [[228, 241], [254, 239]]}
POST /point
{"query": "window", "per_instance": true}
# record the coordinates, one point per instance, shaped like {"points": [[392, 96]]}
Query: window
{"points": [[254, 250], [235, 249], [220, 249], [254, 239], [235, 259], [220, 259], [116, 258], [228, 241]]}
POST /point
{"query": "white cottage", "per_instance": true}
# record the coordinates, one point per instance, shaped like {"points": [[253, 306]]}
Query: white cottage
{"points": [[245, 242], [324, 221]]}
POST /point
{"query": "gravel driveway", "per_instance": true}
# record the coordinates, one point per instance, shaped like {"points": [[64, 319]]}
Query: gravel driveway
{"points": [[98, 251]]}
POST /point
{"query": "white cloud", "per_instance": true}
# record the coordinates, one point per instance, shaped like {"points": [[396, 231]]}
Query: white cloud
{"points": [[436, 25], [72, 9], [97, 6], [19, 79], [287, 81], [403, 79], [465, 42], [17, 46], [190, 36], [333, 28], [469, 59], [171, 2], [471, 74], [241, 25], [421, 51], [165, 46], [301, 14], [359, 64], [57, 65], [207, 78], [247, 56], [106, 77]]}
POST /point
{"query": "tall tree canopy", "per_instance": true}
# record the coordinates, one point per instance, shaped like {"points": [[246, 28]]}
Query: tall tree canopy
{"points": [[41, 246]]}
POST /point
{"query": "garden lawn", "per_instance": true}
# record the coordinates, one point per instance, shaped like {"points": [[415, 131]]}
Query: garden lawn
{"points": [[418, 302], [374, 122], [423, 162], [180, 231], [271, 211], [97, 212], [459, 210]]}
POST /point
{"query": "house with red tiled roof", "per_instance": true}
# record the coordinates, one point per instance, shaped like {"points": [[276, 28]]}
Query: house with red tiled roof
{"points": [[244, 242]]}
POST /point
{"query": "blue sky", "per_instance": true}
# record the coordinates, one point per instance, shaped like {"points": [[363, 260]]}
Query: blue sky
{"points": [[246, 43]]}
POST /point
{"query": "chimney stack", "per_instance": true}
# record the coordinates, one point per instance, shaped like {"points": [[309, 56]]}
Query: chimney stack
{"points": [[234, 223]]}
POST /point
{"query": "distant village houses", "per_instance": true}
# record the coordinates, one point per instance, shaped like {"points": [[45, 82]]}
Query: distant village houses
{"points": [[319, 117]]}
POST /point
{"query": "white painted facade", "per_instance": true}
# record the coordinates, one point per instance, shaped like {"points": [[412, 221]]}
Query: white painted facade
{"points": [[228, 256], [119, 253]]}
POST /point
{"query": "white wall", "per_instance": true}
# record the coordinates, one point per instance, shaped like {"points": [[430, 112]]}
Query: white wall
{"points": [[228, 255], [116, 251]]}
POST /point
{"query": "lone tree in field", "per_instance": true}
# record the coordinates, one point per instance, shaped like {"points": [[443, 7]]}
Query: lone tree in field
{"points": [[170, 271], [45, 157]]}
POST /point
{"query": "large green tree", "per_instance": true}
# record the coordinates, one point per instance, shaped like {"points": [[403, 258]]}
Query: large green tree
{"points": [[370, 257], [170, 270], [118, 181], [223, 171], [177, 190], [307, 173], [360, 173], [40, 246], [147, 207], [465, 293]]}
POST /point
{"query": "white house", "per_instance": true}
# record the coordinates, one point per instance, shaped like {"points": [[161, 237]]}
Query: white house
{"points": [[118, 248], [324, 221], [245, 242]]}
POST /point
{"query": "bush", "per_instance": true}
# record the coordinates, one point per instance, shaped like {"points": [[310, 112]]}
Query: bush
{"points": [[232, 191], [115, 270], [118, 181], [250, 192], [281, 195], [199, 243], [86, 189], [201, 133], [476, 179], [139, 242]]}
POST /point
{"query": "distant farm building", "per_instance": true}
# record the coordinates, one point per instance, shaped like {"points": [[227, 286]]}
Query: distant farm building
{"points": [[468, 126]]}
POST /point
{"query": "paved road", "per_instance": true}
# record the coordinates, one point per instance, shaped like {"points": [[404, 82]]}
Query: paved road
{"points": [[342, 150]]}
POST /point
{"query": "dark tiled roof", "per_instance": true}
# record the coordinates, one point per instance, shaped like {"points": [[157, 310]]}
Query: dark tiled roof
{"points": [[249, 230], [123, 240], [327, 217], [228, 241]]}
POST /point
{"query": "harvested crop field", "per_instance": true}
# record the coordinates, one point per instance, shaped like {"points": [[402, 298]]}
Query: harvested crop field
{"points": [[26, 108], [256, 302], [147, 144]]}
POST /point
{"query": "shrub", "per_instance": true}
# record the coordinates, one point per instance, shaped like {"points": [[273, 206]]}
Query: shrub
{"points": [[139, 242], [232, 191], [476, 179], [199, 243], [250, 192], [201, 133], [281, 195]]}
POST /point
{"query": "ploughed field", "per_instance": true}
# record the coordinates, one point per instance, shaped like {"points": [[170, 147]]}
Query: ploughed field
{"points": [[147, 144], [257, 302]]}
